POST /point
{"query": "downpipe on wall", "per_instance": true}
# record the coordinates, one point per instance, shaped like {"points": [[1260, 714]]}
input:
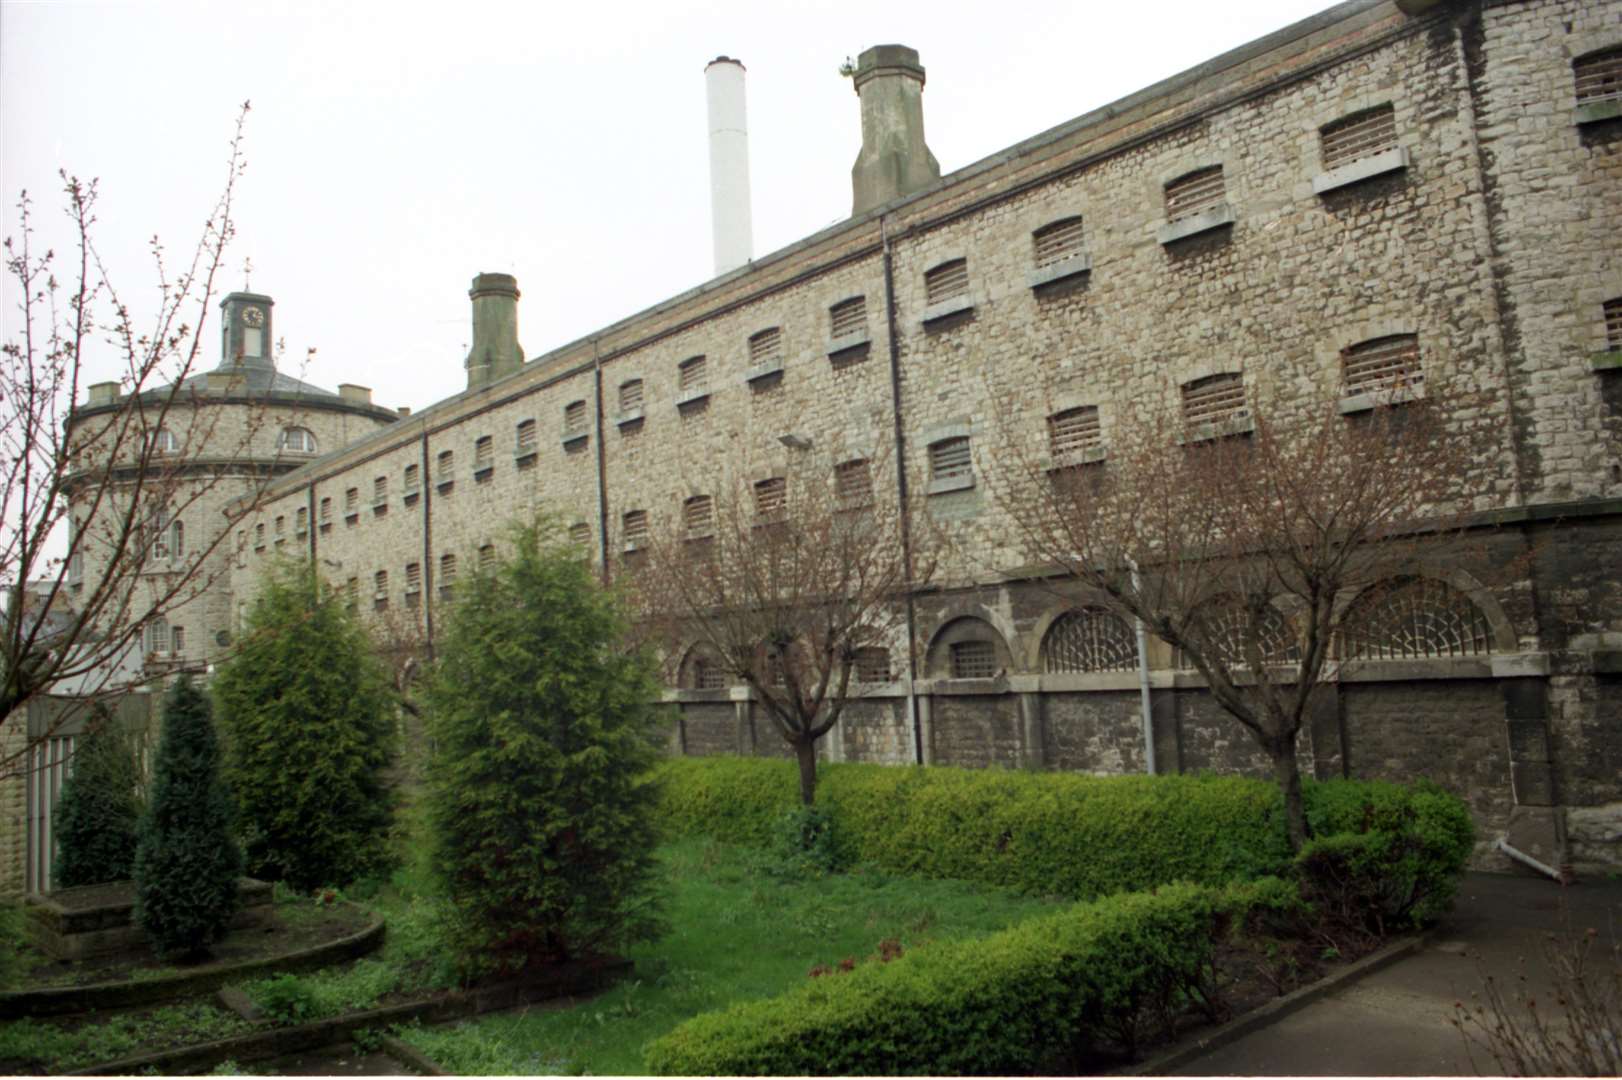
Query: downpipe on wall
{"points": [[1143, 679], [1522, 857]]}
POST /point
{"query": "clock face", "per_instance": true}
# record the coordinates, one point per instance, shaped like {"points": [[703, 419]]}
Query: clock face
{"points": [[253, 317]]}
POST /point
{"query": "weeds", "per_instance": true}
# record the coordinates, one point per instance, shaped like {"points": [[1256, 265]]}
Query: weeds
{"points": [[39, 1046]]}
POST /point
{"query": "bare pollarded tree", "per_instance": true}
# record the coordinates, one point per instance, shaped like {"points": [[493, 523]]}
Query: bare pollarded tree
{"points": [[113, 476], [1241, 536], [794, 585]]}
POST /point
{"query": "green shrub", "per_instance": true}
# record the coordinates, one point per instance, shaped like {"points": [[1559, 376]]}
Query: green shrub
{"points": [[286, 999], [187, 862], [540, 798], [803, 843], [97, 812], [1023, 1001], [308, 717]]}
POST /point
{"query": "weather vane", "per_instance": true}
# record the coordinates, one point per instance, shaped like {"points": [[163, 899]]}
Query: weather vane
{"points": [[247, 275]]}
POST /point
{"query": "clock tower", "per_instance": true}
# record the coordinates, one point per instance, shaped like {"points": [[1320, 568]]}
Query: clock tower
{"points": [[245, 331]]}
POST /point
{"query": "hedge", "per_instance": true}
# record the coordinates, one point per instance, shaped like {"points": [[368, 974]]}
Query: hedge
{"points": [[1021, 1001]]}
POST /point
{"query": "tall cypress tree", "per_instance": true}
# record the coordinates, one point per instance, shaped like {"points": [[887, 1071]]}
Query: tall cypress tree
{"points": [[187, 861], [98, 811]]}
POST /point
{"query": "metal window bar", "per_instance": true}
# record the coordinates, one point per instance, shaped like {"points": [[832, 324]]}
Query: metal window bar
{"points": [[1213, 399], [380, 584], [380, 492], [412, 479], [447, 570], [1412, 620], [487, 556], [698, 515], [636, 526], [1057, 241], [1381, 364], [771, 498], [693, 374], [574, 418], [1359, 136], [853, 483], [630, 395], [1599, 77], [708, 675], [1195, 193], [526, 436], [974, 660], [1074, 430], [413, 577], [848, 317], [872, 665], [949, 458], [1090, 639], [1613, 324], [447, 465], [947, 281], [484, 452], [766, 347], [580, 533], [326, 511], [351, 500]]}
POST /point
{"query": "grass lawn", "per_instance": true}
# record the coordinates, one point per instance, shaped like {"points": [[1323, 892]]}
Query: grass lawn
{"points": [[737, 932]]}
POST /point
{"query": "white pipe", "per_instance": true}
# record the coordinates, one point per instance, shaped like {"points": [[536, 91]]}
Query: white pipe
{"points": [[729, 164], [1143, 679], [1515, 853]]}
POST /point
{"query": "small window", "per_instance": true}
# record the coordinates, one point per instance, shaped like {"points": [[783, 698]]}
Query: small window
{"points": [[771, 499], [1381, 365], [580, 534], [693, 375], [487, 558], [630, 396], [297, 440], [447, 574], [351, 502], [281, 526], [635, 525], [1196, 193], [1214, 399], [708, 675], [413, 577], [158, 641], [526, 438], [574, 420], [413, 479], [1359, 136], [380, 491], [164, 442], [177, 538], [766, 348], [380, 590], [1074, 432], [352, 593], [301, 521], [698, 515], [948, 281], [326, 511], [1599, 76], [484, 458], [974, 660], [1613, 324], [872, 665], [259, 535], [848, 318], [445, 468], [1055, 242], [177, 640], [950, 459], [853, 484]]}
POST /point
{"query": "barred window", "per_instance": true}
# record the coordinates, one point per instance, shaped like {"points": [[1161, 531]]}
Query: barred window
{"points": [[1214, 399], [574, 419], [580, 534], [1599, 76], [698, 514], [487, 557], [1359, 136], [281, 530], [413, 479], [871, 664], [1089, 639], [853, 484], [297, 440], [1057, 241], [301, 522], [630, 395], [259, 535], [352, 501], [413, 577], [380, 590], [1413, 618], [380, 491], [950, 458], [484, 453], [974, 660], [326, 511], [634, 524], [526, 437], [771, 499], [445, 468], [693, 374], [766, 347], [352, 593], [1224, 626], [1074, 431], [447, 573], [948, 281], [1613, 324], [848, 318], [707, 674], [1381, 364], [1195, 193]]}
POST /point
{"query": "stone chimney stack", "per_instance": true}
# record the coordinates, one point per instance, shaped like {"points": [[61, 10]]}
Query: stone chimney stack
{"points": [[894, 160], [495, 353]]}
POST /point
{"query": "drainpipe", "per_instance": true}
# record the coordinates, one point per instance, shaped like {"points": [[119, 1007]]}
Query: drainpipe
{"points": [[1522, 857], [1143, 678], [891, 326], [602, 476], [430, 598]]}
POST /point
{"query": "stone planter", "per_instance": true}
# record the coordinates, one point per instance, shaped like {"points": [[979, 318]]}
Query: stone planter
{"points": [[91, 920]]}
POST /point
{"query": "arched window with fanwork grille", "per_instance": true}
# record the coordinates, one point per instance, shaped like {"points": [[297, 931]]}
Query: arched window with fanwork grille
{"points": [[704, 672], [1413, 618], [1225, 627], [1089, 639]]}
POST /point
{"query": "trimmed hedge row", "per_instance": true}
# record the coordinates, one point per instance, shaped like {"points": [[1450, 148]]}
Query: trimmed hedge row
{"points": [[1020, 1001]]}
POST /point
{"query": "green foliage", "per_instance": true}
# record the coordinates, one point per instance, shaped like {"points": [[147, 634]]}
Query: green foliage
{"points": [[308, 716], [285, 998], [98, 811], [41, 1046], [1018, 1002], [296, 999], [11, 943], [540, 798], [186, 861], [803, 843]]}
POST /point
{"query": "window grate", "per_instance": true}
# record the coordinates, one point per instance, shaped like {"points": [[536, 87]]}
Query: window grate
{"points": [[766, 347], [853, 483], [447, 572], [1412, 618], [380, 590], [1599, 77], [413, 577], [698, 514], [580, 534], [484, 452], [636, 526], [574, 419], [1613, 324], [1056, 242], [1359, 136], [1074, 430], [974, 660], [526, 436], [771, 499], [487, 557], [326, 511], [301, 523], [1214, 399], [447, 466], [848, 317], [708, 675], [351, 500], [1195, 193], [412, 479], [1224, 627], [872, 664], [950, 458], [380, 491], [1381, 364], [693, 374], [1090, 639], [947, 281], [630, 395]]}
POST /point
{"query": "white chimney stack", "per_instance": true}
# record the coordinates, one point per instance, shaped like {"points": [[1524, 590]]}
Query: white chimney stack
{"points": [[729, 164]]}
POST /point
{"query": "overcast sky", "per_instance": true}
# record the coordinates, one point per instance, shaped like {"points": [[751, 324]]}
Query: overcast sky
{"points": [[396, 150]]}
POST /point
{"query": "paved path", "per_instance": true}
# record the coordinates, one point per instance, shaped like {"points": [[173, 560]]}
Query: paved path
{"points": [[1395, 1022]]}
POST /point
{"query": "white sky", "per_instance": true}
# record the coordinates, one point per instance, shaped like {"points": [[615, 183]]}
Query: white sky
{"points": [[397, 150]]}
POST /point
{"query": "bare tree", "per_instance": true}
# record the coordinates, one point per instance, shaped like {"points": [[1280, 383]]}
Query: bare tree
{"points": [[1243, 542], [115, 474], [795, 586]]}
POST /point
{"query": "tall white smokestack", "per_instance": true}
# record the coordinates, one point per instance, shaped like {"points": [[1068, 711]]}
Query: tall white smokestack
{"points": [[729, 164]]}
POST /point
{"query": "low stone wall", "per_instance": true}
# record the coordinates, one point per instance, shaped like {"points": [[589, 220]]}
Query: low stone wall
{"points": [[91, 920]]}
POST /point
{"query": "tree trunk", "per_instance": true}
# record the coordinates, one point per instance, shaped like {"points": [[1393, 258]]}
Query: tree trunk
{"points": [[805, 752], [1288, 774]]}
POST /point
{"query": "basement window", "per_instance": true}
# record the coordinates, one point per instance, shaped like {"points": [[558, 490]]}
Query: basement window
{"points": [[484, 459], [1195, 203], [1058, 252], [974, 660], [1599, 85], [951, 465], [1358, 147], [1382, 371], [1075, 437], [946, 290], [524, 450], [1215, 406]]}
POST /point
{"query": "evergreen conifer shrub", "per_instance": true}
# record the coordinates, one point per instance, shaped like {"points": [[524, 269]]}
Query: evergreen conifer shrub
{"points": [[307, 713], [186, 860], [540, 796], [98, 809]]}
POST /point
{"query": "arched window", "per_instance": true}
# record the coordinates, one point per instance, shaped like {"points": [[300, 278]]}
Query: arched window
{"points": [[1057, 241], [704, 672], [871, 664], [1225, 626], [1089, 639], [1412, 618], [948, 281], [297, 440], [164, 442]]}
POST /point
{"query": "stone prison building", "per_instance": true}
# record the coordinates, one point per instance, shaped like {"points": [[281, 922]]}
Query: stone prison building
{"points": [[1422, 187]]}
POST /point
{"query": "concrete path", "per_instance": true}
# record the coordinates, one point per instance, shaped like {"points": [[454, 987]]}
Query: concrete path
{"points": [[1394, 1022]]}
